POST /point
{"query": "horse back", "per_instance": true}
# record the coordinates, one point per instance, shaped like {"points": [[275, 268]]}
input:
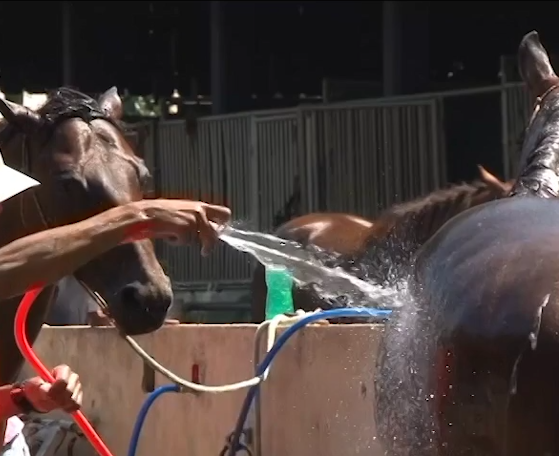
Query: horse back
{"points": [[493, 266], [486, 289]]}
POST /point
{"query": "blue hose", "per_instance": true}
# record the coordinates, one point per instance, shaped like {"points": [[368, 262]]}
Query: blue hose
{"points": [[142, 415], [245, 409], [280, 342]]}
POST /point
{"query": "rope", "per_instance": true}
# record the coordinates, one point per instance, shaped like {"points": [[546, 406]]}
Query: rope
{"points": [[188, 386]]}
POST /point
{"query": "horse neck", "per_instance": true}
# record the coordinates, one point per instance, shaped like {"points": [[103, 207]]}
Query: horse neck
{"points": [[539, 177], [400, 231], [412, 224]]}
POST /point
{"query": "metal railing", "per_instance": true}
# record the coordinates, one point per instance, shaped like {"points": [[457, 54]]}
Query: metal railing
{"points": [[359, 156]]}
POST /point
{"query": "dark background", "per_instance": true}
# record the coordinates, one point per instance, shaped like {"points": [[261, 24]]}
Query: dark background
{"points": [[291, 45], [285, 47]]}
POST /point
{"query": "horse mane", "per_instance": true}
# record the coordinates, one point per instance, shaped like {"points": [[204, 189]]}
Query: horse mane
{"points": [[452, 195], [403, 228], [417, 220]]}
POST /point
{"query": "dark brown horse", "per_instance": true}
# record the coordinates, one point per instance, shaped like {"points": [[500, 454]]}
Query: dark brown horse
{"points": [[76, 147], [471, 366], [388, 242]]}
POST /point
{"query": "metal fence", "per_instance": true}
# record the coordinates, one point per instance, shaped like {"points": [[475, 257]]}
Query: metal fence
{"points": [[359, 156], [516, 108], [356, 159]]}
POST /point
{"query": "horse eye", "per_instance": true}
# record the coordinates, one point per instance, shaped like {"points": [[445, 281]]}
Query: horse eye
{"points": [[64, 175]]}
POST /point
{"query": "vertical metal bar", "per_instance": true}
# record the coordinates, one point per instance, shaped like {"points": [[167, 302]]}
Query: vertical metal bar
{"points": [[303, 156], [254, 173]]}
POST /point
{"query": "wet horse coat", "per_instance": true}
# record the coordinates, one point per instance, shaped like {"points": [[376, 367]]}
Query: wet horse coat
{"points": [[471, 366]]}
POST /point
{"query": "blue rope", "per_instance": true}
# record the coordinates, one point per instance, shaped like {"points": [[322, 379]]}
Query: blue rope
{"points": [[142, 415]]}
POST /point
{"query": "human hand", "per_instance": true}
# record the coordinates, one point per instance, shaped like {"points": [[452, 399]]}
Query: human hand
{"points": [[64, 394], [98, 318], [181, 220]]}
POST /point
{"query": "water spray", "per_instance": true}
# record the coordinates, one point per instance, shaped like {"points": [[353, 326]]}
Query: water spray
{"points": [[278, 279]]}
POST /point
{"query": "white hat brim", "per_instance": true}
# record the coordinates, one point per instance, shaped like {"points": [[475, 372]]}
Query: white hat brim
{"points": [[13, 182]]}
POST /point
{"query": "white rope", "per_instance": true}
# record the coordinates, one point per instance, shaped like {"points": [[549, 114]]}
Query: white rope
{"points": [[186, 385]]}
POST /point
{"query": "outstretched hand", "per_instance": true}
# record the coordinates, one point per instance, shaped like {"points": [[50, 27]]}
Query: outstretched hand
{"points": [[183, 220]]}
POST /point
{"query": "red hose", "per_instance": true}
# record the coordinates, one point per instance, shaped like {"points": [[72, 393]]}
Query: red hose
{"points": [[31, 357]]}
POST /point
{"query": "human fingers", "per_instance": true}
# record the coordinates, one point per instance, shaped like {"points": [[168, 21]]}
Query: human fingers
{"points": [[218, 214], [74, 402], [61, 372], [207, 232], [66, 382]]}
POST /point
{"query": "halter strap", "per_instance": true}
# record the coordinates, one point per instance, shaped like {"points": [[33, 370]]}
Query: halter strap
{"points": [[539, 101]]}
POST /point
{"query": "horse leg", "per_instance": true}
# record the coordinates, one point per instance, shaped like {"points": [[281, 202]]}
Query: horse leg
{"points": [[502, 398], [534, 408], [472, 396]]}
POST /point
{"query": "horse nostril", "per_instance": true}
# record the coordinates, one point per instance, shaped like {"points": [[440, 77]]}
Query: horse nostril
{"points": [[138, 309], [131, 294]]}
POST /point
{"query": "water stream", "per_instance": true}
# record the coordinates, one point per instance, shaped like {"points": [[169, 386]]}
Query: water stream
{"points": [[403, 413], [308, 267]]}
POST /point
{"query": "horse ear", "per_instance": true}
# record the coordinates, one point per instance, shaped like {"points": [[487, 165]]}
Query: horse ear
{"points": [[534, 65], [492, 182], [111, 103], [24, 119]]}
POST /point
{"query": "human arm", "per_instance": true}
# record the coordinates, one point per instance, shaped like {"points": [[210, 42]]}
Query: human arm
{"points": [[48, 256]]}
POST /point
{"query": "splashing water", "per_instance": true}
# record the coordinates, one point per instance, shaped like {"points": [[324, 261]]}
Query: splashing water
{"points": [[402, 410], [308, 268]]}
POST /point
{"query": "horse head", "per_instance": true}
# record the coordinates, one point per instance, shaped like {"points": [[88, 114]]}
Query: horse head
{"points": [[75, 146], [539, 158]]}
